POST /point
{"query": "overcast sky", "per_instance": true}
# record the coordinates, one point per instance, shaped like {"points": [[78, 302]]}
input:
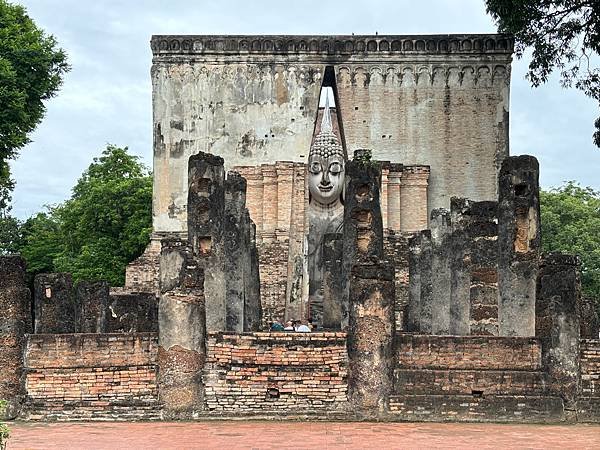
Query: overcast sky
{"points": [[106, 98]]}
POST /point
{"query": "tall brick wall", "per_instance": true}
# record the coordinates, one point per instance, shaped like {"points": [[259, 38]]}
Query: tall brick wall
{"points": [[287, 373], [90, 376]]}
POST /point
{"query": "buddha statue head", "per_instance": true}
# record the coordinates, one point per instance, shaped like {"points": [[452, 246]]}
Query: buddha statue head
{"points": [[326, 165]]}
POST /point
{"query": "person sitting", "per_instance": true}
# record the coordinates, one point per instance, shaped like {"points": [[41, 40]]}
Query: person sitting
{"points": [[301, 327], [276, 326], [289, 326]]}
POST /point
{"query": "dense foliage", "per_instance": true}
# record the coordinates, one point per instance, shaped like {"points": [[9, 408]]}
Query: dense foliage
{"points": [[102, 227], [31, 71], [563, 35], [571, 224]]}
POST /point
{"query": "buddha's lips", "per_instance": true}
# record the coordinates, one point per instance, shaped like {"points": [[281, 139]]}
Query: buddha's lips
{"points": [[325, 188]]}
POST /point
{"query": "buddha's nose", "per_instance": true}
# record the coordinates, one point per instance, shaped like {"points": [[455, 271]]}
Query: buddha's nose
{"points": [[325, 179]]}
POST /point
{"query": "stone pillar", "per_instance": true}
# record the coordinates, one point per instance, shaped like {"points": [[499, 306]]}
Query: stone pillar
{"points": [[370, 338], [92, 299], [270, 204], [589, 320], [206, 209], [413, 317], [235, 248], [519, 244], [394, 179], [15, 322], [413, 198], [333, 282], [557, 324], [440, 271], [385, 170], [53, 303], [182, 330], [460, 283], [426, 282], [252, 303], [363, 224]]}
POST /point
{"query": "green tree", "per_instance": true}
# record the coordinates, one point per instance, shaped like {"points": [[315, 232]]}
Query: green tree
{"points": [[563, 35], [10, 235], [571, 224], [101, 228], [31, 71]]}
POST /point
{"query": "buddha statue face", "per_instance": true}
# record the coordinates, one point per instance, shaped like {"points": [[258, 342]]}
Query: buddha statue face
{"points": [[326, 178]]}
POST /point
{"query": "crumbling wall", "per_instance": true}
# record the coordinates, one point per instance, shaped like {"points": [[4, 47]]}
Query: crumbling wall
{"points": [[132, 312], [288, 374], [91, 376], [92, 300], [557, 312], [55, 310], [473, 378], [15, 322], [588, 404]]}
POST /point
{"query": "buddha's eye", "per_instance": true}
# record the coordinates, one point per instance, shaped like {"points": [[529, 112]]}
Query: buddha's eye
{"points": [[335, 168], [316, 167]]}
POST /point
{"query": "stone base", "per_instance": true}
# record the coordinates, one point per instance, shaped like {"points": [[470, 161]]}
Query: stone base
{"points": [[468, 408]]}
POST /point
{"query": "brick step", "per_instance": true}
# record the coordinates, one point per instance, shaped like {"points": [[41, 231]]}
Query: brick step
{"points": [[493, 408], [84, 413], [469, 382]]}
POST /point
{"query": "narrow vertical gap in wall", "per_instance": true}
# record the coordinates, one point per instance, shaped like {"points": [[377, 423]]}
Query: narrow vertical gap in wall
{"points": [[330, 81], [329, 90]]}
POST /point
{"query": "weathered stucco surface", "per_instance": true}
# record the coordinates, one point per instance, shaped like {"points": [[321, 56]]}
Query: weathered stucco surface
{"points": [[436, 100]]}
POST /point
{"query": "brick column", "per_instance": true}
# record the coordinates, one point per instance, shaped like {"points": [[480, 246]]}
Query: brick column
{"points": [[518, 244], [557, 323], [15, 322], [413, 198], [394, 196], [285, 183], [254, 196], [385, 170], [270, 202], [440, 271]]}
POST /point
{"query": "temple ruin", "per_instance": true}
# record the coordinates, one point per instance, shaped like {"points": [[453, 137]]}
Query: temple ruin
{"points": [[362, 183]]}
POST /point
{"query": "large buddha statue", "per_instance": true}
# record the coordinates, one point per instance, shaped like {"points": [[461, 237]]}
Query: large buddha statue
{"points": [[326, 168]]}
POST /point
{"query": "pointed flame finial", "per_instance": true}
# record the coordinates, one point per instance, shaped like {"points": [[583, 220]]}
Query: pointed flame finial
{"points": [[326, 126]]}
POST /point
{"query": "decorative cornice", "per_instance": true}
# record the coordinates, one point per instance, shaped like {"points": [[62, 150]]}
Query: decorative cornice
{"points": [[334, 46]]}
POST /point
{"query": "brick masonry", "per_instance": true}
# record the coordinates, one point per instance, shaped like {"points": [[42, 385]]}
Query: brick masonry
{"points": [[476, 378], [91, 376], [283, 373], [588, 404], [468, 352]]}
